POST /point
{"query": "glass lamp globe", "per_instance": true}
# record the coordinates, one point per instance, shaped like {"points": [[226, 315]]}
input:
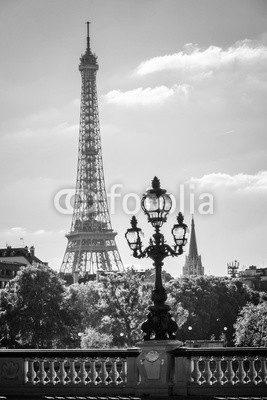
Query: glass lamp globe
{"points": [[180, 231], [133, 235], [156, 204]]}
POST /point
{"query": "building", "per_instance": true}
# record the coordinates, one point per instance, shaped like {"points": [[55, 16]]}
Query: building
{"points": [[193, 263], [12, 259], [91, 243], [255, 278]]}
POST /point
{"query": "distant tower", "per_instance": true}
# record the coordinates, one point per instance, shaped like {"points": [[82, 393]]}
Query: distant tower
{"points": [[91, 242], [232, 269], [193, 264]]}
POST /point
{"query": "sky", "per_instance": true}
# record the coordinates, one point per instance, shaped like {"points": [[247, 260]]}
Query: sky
{"points": [[182, 88]]}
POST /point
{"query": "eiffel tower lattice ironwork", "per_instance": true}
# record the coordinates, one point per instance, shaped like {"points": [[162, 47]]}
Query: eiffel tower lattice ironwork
{"points": [[91, 242]]}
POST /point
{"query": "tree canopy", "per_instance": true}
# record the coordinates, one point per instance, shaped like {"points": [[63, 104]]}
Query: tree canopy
{"points": [[32, 307], [38, 310], [123, 305], [251, 326], [213, 303]]}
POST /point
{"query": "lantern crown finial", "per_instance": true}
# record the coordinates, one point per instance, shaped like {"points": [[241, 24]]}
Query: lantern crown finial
{"points": [[156, 189], [134, 222], [155, 183], [180, 218]]}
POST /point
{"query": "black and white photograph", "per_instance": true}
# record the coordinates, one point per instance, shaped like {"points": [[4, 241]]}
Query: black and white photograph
{"points": [[133, 220]]}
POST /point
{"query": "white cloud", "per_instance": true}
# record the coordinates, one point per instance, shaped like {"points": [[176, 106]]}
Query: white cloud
{"points": [[206, 60], [147, 96], [238, 182], [40, 232], [17, 229]]}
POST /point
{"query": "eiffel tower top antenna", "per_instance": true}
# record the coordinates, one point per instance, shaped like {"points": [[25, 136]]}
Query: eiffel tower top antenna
{"points": [[88, 37]]}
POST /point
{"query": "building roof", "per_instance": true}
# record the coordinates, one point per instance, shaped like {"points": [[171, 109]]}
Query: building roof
{"points": [[11, 264], [25, 252]]}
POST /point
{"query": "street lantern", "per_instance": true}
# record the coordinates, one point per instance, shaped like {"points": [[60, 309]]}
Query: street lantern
{"points": [[156, 204], [179, 232], [133, 236]]}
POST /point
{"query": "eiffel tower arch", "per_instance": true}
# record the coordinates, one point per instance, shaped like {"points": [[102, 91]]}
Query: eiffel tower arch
{"points": [[91, 246]]}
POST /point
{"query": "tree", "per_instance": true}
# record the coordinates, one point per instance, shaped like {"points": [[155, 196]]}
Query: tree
{"points": [[212, 303], [81, 305], [92, 339], [123, 305], [32, 307], [251, 326], [116, 307]]}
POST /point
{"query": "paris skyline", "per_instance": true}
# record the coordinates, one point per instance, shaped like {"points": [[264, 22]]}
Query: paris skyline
{"points": [[182, 92]]}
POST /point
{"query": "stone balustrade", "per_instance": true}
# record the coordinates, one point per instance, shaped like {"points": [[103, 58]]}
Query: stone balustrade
{"points": [[181, 371], [68, 372], [220, 371]]}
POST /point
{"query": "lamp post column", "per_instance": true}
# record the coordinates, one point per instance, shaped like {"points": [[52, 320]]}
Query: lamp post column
{"points": [[155, 363]]}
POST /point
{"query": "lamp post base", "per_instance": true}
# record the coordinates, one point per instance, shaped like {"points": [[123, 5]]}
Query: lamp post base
{"points": [[155, 367], [159, 324]]}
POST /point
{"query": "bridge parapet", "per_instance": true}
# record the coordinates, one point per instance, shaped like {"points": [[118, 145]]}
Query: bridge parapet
{"points": [[54, 372], [203, 372], [224, 371]]}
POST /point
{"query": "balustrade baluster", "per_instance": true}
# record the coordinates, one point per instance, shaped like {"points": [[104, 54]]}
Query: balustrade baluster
{"points": [[82, 374], [26, 369], [252, 372], [51, 374], [41, 374], [92, 373], [113, 373], [262, 374], [31, 374], [103, 374], [218, 373], [196, 374], [61, 374], [71, 373], [229, 372], [207, 374], [241, 373], [123, 373]]}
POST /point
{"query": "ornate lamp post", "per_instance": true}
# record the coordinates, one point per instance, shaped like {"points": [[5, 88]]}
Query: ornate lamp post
{"points": [[156, 204]]}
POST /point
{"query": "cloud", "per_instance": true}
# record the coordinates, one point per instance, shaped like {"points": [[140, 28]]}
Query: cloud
{"points": [[239, 182], [17, 229], [40, 232], [147, 96], [49, 121], [193, 58]]}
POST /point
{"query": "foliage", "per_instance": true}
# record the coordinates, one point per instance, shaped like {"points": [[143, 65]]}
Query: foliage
{"points": [[149, 275], [32, 307], [116, 306], [123, 305], [93, 339], [251, 326], [39, 311], [179, 314], [212, 303], [81, 305]]}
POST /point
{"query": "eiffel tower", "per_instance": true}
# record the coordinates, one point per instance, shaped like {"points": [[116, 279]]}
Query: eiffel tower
{"points": [[91, 244]]}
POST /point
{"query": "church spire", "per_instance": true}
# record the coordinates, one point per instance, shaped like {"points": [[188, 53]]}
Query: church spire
{"points": [[193, 241], [193, 264]]}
